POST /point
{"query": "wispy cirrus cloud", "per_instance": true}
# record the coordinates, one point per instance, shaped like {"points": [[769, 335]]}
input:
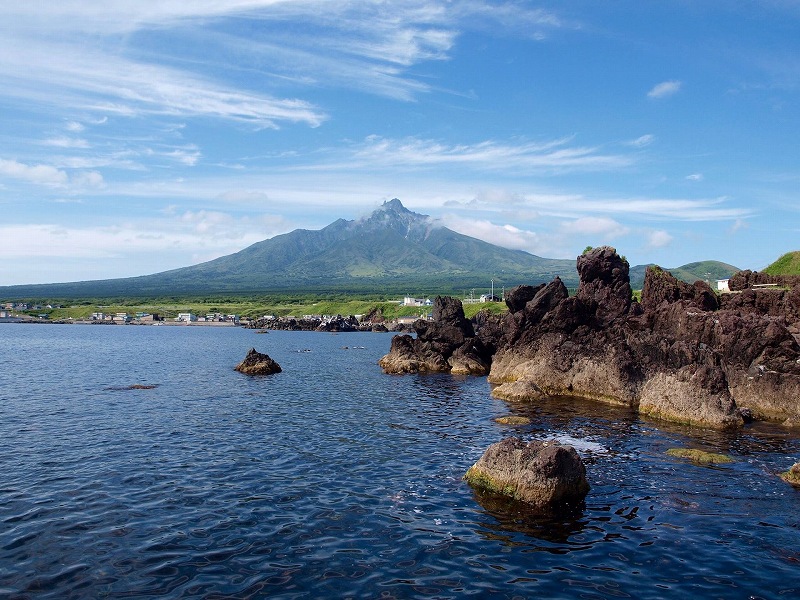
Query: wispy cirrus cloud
{"points": [[552, 155], [665, 89], [66, 142], [642, 141], [91, 55], [578, 206]]}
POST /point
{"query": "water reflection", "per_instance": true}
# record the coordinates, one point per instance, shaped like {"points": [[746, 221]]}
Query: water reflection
{"points": [[555, 525]]}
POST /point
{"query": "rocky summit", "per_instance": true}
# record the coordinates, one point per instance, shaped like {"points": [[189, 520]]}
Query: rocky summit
{"points": [[683, 353]]}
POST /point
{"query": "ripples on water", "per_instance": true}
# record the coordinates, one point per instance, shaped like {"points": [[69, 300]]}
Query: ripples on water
{"points": [[332, 479]]}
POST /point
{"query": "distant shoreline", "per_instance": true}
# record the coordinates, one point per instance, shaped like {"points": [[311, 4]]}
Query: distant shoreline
{"points": [[34, 321]]}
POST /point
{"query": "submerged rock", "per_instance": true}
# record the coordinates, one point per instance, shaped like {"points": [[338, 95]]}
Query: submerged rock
{"points": [[543, 474], [513, 420], [256, 363], [700, 456]]}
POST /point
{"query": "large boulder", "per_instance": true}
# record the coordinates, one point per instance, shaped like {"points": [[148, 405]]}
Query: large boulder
{"points": [[447, 344], [256, 363], [544, 474]]}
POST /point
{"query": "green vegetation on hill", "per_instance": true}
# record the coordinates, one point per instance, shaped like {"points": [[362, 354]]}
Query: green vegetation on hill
{"points": [[788, 264], [392, 252], [706, 270], [244, 306]]}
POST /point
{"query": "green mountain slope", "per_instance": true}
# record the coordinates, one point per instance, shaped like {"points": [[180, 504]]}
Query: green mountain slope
{"points": [[393, 250], [788, 264], [709, 270]]}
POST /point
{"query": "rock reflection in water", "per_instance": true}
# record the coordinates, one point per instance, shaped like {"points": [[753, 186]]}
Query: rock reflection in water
{"points": [[555, 525]]}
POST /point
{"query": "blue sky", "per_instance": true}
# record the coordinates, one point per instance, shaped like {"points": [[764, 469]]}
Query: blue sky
{"points": [[143, 136]]}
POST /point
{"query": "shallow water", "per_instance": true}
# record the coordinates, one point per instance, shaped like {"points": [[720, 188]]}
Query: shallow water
{"points": [[332, 479]]}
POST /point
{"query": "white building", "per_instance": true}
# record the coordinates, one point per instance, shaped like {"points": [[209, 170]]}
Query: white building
{"points": [[722, 285], [186, 317], [409, 301]]}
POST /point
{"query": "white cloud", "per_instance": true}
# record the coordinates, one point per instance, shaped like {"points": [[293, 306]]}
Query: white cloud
{"points": [[737, 226], [143, 246], [664, 89], [553, 155], [658, 239], [38, 174], [695, 177], [507, 236], [74, 127], [66, 142], [88, 179], [642, 141], [186, 156], [603, 228]]}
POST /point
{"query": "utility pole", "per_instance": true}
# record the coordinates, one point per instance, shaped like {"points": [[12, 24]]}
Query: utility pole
{"points": [[492, 290]]}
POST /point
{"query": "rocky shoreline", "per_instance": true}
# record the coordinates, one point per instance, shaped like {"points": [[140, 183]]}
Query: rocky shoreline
{"points": [[682, 353]]}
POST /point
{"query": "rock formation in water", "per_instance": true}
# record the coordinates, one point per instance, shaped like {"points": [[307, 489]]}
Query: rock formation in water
{"points": [[544, 474], [446, 344], [680, 354], [792, 475], [256, 363], [676, 355]]}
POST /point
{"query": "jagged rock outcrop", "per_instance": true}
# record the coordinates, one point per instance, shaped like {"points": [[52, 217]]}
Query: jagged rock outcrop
{"points": [[446, 344], [682, 353], [335, 323], [676, 355], [256, 363], [747, 279], [544, 474]]}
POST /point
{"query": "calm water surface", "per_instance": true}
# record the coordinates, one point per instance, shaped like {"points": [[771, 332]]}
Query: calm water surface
{"points": [[334, 480]]}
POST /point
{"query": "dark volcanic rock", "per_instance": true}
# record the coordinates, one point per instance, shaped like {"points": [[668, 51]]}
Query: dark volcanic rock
{"points": [[256, 363], [676, 356], [661, 287], [605, 284], [518, 297], [747, 279], [771, 302], [446, 344], [682, 354], [544, 474]]}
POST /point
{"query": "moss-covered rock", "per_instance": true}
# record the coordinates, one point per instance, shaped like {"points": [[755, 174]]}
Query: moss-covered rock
{"points": [[700, 456], [792, 475], [543, 474], [513, 420]]}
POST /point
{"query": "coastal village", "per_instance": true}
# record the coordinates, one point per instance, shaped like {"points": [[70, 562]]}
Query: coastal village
{"points": [[19, 312]]}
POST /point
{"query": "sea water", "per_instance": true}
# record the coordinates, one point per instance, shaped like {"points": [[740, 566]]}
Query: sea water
{"points": [[334, 480]]}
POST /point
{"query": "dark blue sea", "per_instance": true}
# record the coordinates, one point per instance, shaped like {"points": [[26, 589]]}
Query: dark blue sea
{"points": [[334, 480]]}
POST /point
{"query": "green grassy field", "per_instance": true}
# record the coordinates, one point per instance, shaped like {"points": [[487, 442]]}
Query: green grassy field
{"points": [[247, 307]]}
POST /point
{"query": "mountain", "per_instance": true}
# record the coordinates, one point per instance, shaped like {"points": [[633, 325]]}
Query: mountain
{"points": [[393, 250], [788, 264], [707, 270]]}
